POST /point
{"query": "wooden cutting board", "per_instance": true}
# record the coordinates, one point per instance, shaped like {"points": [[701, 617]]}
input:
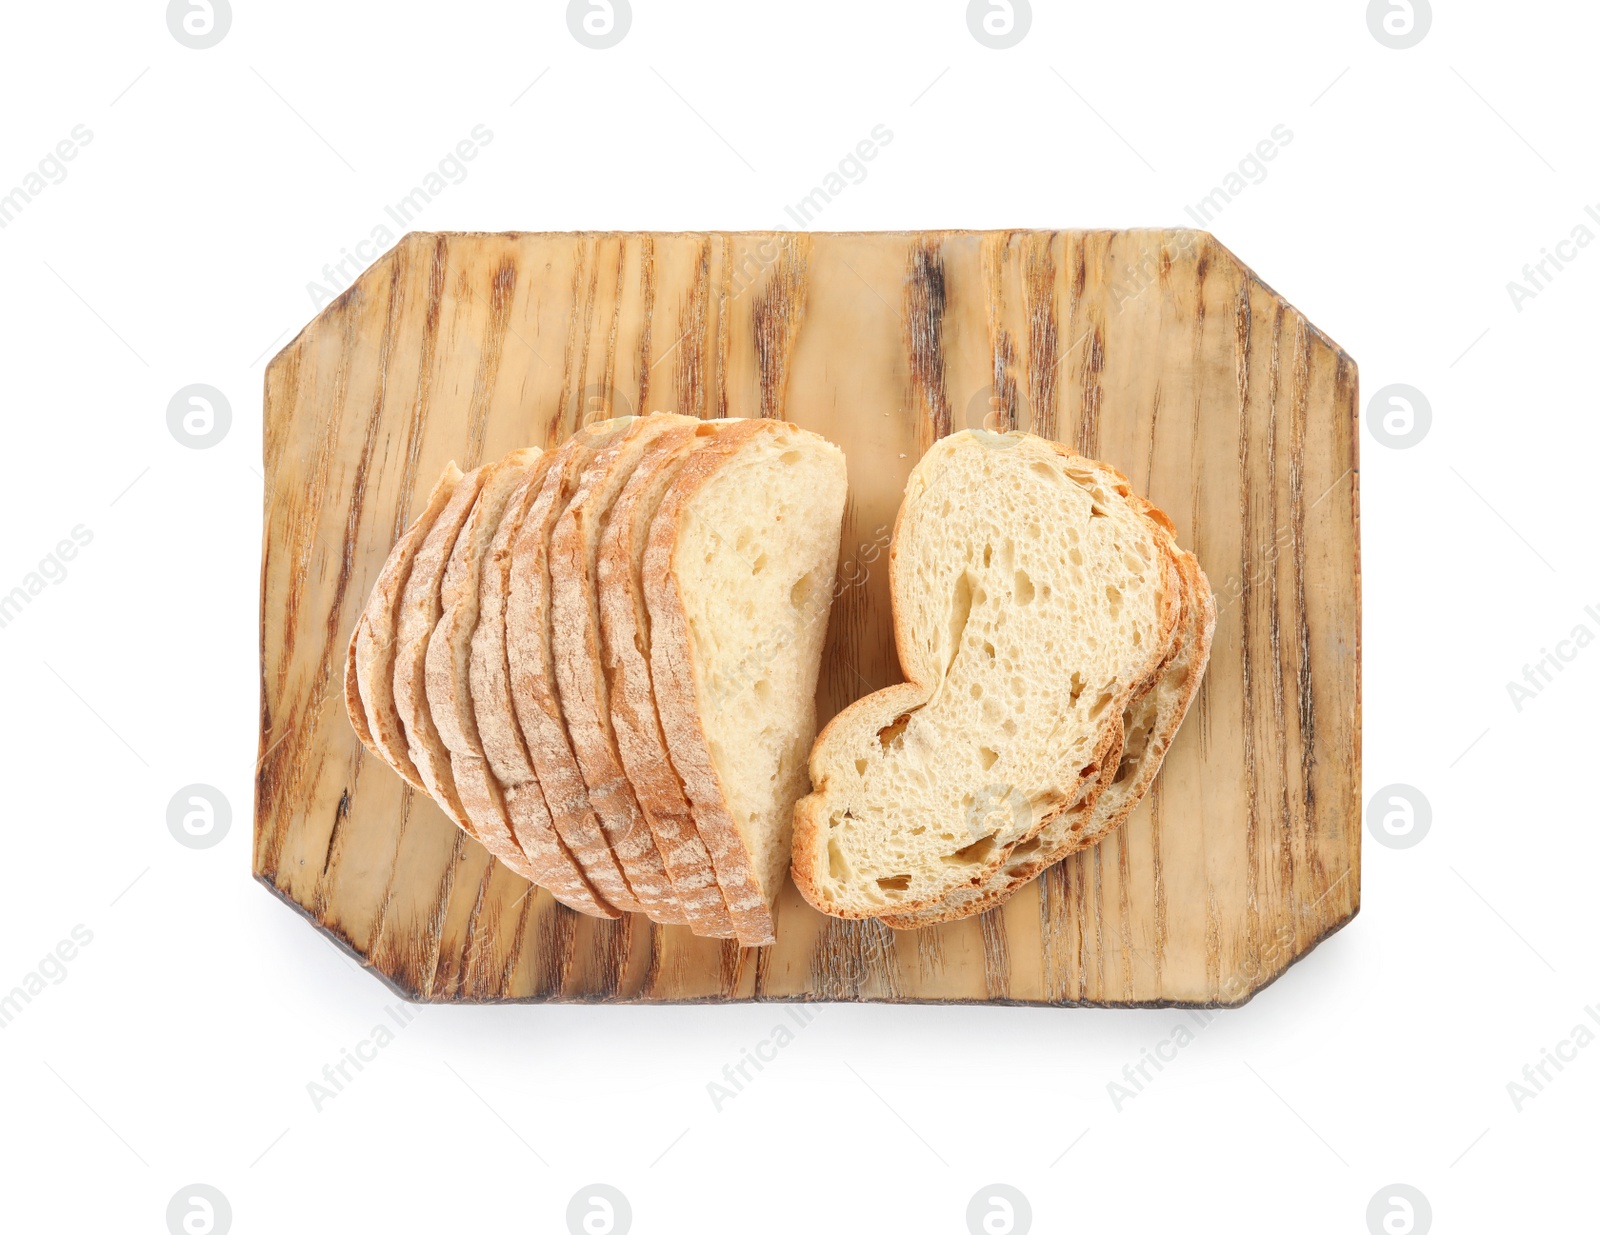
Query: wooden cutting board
{"points": [[1157, 351]]}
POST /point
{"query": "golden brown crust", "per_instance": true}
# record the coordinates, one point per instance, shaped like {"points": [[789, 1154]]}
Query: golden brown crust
{"points": [[575, 650], [624, 650], [501, 739], [533, 689], [444, 676], [354, 708], [673, 676], [419, 612], [373, 641]]}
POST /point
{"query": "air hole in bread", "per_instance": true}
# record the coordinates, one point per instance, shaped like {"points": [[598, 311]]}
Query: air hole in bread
{"points": [[987, 757], [861, 767], [763, 691], [1114, 599], [838, 868], [976, 853], [895, 883], [758, 565], [1077, 686], [960, 613], [804, 589], [790, 456], [1100, 704], [988, 553], [988, 649], [977, 690], [890, 733], [1022, 588]]}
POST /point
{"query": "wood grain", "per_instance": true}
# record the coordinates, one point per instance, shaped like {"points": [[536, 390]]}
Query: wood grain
{"points": [[1157, 351]]}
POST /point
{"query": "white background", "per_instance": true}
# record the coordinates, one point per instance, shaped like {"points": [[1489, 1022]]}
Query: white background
{"points": [[178, 249]]}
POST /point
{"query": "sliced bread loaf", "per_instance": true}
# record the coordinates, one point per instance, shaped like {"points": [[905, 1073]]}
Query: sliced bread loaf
{"points": [[419, 613], [625, 655], [1149, 724], [534, 693], [738, 579], [369, 667], [1033, 596], [498, 731], [644, 843]]}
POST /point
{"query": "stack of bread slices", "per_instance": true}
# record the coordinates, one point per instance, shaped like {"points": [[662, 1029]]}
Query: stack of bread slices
{"points": [[1052, 635], [601, 661]]}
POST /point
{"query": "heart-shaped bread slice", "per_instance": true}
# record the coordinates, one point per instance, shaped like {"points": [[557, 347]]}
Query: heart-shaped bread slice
{"points": [[1034, 596]]}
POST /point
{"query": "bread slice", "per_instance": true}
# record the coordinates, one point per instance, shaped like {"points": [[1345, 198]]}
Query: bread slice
{"points": [[447, 662], [625, 657], [1149, 724], [420, 609], [585, 695], [354, 708], [498, 730], [1033, 595], [533, 688], [369, 666], [738, 579]]}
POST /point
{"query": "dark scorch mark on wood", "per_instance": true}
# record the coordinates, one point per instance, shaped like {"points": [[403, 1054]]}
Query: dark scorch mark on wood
{"points": [[1044, 340], [925, 306], [647, 313], [689, 369], [776, 315], [1247, 539], [996, 954], [1297, 515], [1280, 727]]}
